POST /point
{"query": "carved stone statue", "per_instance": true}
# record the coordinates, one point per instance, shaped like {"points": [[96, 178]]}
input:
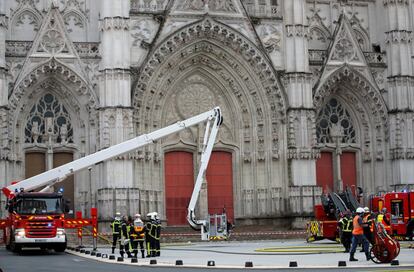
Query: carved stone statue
{"points": [[63, 133], [337, 133], [35, 132], [49, 130], [271, 39]]}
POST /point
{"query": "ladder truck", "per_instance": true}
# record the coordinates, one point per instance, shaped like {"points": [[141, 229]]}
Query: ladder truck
{"points": [[36, 218]]}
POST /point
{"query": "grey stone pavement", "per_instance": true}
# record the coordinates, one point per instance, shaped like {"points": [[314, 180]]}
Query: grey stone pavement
{"points": [[262, 254]]}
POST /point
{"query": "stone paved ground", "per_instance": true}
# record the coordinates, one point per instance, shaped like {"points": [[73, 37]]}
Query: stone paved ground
{"points": [[263, 254], [185, 234]]}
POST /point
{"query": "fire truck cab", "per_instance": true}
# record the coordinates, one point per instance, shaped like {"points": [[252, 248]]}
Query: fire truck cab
{"points": [[400, 206], [36, 221]]}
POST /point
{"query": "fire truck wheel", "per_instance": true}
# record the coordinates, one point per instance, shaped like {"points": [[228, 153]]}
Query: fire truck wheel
{"points": [[60, 248], [15, 248]]}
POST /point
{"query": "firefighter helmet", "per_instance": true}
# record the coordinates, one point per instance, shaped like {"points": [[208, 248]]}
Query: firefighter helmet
{"points": [[360, 210], [366, 209], [137, 215]]}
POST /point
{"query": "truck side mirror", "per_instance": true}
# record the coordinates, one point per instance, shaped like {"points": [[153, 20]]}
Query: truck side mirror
{"points": [[9, 206], [67, 206]]}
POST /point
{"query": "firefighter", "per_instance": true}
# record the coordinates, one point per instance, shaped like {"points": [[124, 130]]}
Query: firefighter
{"points": [[368, 225], [126, 235], [138, 236], [157, 235], [345, 227], [383, 218], [116, 231], [150, 231], [358, 235]]}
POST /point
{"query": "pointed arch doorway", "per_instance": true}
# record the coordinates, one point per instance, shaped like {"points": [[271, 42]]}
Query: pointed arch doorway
{"points": [[336, 169], [48, 135], [179, 184]]}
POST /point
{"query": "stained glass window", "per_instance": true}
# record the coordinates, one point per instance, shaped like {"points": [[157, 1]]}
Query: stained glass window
{"points": [[333, 113], [48, 108]]}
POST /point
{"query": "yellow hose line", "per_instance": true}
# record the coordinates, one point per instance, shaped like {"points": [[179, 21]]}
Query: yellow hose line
{"points": [[100, 236], [301, 251]]}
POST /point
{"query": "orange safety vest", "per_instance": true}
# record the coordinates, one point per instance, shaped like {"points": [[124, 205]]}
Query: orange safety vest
{"points": [[137, 230], [369, 221], [358, 230]]}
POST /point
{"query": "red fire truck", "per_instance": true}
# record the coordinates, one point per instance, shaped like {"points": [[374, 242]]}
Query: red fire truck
{"points": [[400, 206], [36, 219], [325, 223]]}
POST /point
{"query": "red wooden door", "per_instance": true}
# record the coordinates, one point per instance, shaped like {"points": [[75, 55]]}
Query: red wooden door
{"points": [[68, 185], [179, 184], [220, 184], [324, 171], [348, 169], [35, 164]]}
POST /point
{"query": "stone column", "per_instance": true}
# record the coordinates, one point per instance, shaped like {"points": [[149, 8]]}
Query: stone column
{"points": [[400, 90], [3, 31], [4, 152], [301, 135], [115, 113]]}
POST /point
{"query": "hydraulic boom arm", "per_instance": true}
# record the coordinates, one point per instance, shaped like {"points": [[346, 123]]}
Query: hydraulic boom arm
{"points": [[209, 139], [58, 174]]}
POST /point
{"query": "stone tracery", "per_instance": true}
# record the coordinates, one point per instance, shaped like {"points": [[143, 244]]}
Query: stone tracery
{"points": [[208, 28], [372, 115], [183, 50]]}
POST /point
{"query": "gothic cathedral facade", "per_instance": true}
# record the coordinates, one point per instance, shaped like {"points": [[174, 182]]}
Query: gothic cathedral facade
{"points": [[317, 96]]}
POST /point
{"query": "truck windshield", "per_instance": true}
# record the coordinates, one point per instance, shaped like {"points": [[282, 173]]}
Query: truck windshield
{"points": [[39, 205]]}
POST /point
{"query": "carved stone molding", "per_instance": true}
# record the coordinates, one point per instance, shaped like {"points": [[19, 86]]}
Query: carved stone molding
{"points": [[301, 129], [374, 59], [52, 67], [303, 153], [141, 31], [211, 5], [373, 97], [397, 153], [344, 50], [215, 31], [21, 49], [297, 31], [148, 5], [398, 36], [74, 15], [4, 21], [4, 135], [114, 23], [116, 125], [26, 12], [271, 38], [396, 2]]}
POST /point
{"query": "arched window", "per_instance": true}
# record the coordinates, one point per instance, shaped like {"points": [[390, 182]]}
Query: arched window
{"points": [[331, 114], [48, 118]]}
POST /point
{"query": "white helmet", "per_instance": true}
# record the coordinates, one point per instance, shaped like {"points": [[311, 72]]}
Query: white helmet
{"points": [[360, 210], [152, 215], [118, 214], [366, 209], [137, 215]]}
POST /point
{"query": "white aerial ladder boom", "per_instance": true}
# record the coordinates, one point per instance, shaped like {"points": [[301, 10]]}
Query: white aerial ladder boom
{"points": [[212, 118]]}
